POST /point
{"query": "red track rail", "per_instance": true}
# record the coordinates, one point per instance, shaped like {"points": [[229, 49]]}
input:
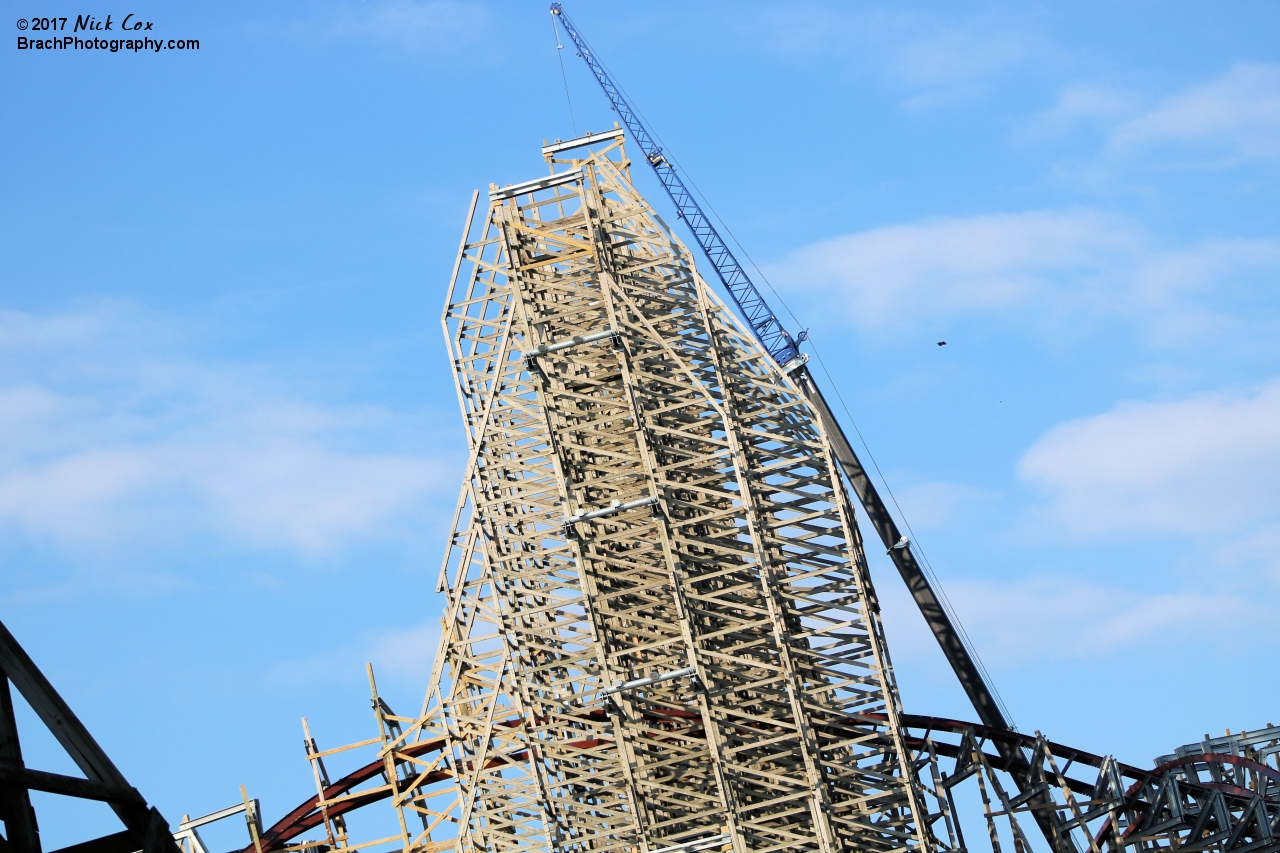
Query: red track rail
{"points": [[308, 814]]}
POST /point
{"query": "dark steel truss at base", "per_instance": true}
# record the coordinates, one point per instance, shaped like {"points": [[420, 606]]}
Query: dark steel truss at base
{"points": [[145, 829], [1208, 801]]}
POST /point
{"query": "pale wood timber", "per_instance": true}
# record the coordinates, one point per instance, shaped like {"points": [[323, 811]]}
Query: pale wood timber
{"points": [[740, 560]]}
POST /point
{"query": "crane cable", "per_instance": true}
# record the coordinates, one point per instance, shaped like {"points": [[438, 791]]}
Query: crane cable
{"points": [[928, 567], [831, 383], [563, 76]]}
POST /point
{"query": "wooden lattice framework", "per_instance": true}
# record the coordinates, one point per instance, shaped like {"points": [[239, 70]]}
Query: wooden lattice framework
{"points": [[660, 632]]}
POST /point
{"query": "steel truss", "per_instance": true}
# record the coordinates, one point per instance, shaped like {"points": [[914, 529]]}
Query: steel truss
{"points": [[145, 829], [1222, 798]]}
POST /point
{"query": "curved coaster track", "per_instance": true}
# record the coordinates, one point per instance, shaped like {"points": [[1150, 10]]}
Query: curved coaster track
{"points": [[1215, 796]]}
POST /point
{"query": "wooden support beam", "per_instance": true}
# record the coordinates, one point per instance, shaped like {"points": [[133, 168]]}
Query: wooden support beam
{"points": [[710, 536]]}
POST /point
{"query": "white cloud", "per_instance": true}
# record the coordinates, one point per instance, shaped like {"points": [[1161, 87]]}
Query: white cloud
{"points": [[1228, 121], [957, 62], [1233, 118], [299, 493], [1041, 267], [1203, 471], [407, 654], [401, 658], [894, 275], [1034, 621], [1078, 105], [1057, 620], [939, 504], [931, 60], [1251, 555], [115, 438], [1206, 465]]}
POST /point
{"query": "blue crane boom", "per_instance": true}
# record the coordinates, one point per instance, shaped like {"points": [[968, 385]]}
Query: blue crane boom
{"points": [[784, 350], [776, 340]]}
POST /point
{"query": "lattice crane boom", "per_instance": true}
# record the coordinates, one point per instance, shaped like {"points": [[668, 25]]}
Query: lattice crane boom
{"points": [[776, 340], [780, 344]]}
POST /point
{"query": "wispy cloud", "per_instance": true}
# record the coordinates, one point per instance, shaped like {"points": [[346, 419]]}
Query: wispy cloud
{"points": [[1203, 470], [931, 60], [1080, 105], [117, 437], [897, 274], [1205, 465], [407, 654], [1040, 620], [1231, 119], [1040, 267], [937, 503], [957, 62], [401, 658], [1058, 620]]}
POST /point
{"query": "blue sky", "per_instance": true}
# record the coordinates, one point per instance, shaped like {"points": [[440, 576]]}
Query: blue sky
{"points": [[232, 443]]}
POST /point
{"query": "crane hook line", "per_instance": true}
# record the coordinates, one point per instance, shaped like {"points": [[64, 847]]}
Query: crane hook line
{"points": [[915, 541], [563, 76], [928, 566]]}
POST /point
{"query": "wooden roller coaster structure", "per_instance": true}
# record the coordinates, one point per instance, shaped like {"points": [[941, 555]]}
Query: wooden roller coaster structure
{"points": [[660, 634]]}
